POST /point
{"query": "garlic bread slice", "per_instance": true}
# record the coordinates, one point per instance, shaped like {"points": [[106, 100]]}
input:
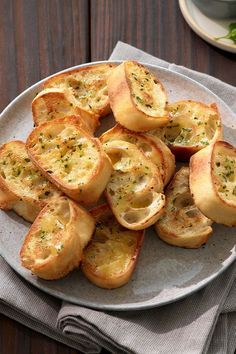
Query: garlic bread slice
{"points": [[70, 158], [137, 98], [213, 182], [193, 126], [134, 191], [53, 247], [142, 141], [111, 256], [54, 103], [152, 147], [88, 86], [22, 186], [182, 224]]}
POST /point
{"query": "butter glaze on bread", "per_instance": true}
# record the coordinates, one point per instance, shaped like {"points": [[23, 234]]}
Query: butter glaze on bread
{"points": [[71, 159], [134, 191], [140, 140], [55, 103], [213, 182], [193, 126], [182, 224], [88, 86], [152, 147], [111, 256], [22, 186], [53, 247], [138, 100]]}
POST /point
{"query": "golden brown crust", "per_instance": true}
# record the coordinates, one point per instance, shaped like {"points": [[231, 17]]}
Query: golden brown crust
{"points": [[134, 191], [212, 182], [71, 159], [22, 187], [88, 86], [182, 224], [54, 244], [56, 103], [152, 147], [112, 254], [168, 157], [193, 126], [138, 100], [142, 141]]}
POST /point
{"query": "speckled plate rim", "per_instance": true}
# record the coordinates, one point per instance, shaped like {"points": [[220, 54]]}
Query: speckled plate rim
{"points": [[199, 31], [115, 307]]}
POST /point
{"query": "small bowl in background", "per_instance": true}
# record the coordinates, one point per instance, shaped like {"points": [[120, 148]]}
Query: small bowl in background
{"points": [[217, 8]]}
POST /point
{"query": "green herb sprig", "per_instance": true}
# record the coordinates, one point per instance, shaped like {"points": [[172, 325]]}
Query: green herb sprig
{"points": [[231, 34]]}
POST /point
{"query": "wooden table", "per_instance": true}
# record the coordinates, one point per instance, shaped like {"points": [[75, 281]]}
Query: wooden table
{"points": [[41, 37]]}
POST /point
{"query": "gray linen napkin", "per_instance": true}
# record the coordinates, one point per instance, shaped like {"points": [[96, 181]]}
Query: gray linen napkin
{"points": [[204, 322], [33, 308], [183, 327]]}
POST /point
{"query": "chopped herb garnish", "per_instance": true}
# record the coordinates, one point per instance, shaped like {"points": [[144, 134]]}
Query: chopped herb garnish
{"points": [[204, 142]]}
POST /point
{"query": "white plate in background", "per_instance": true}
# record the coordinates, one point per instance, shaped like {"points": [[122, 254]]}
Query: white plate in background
{"points": [[207, 28]]}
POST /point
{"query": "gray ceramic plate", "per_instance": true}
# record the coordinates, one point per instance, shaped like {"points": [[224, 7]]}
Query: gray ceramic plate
{"points": [[164, 273]]}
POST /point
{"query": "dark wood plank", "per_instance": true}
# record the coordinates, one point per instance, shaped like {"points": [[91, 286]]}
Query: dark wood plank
{"points": [[157, 27], [39, 38], [18, 339]]}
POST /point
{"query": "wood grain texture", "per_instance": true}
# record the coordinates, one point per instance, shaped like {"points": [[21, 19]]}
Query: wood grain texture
{"points": [[41, 37], [18, 339], [157, 27]]}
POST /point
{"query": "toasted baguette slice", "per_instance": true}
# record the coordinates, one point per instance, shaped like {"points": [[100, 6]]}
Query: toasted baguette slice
{"points": [[193, 126], [22, 187], [89, 88], [142, 141], [152, 147], [54, 103], [70, 158], [182, 224], [168, 158], [134, 191], [213, 182], [53, 247], [138, 100], [112, 254]]}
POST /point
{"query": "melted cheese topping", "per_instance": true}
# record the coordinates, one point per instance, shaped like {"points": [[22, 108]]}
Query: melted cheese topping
{"points": [[67, 154], [147, 92], [191, 124], [225, 174], [22, 176], [89, 87], [112, 248]]}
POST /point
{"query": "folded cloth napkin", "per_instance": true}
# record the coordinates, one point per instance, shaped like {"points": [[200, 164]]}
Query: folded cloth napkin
{"points": [[205, 322], [24, 303]]}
